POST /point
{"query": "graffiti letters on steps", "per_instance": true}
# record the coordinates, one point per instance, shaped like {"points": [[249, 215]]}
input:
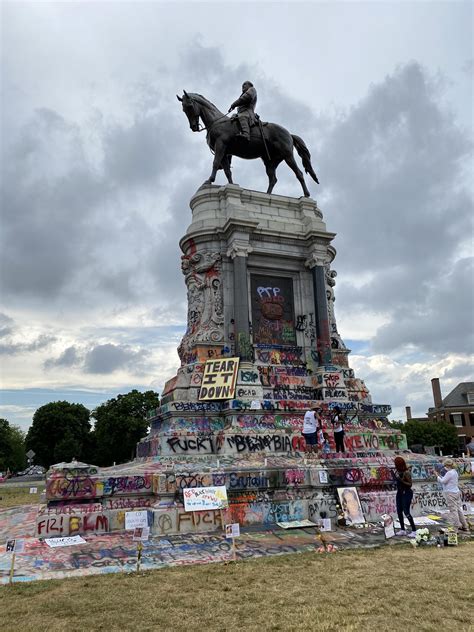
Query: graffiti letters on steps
{"points": [[236, 443]]}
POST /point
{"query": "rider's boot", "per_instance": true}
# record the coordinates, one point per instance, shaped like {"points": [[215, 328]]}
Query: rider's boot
{"points": [[244, 128]]}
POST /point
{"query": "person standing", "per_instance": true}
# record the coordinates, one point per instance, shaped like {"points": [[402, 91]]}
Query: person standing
{"points": [[470, 447], [338, 425], [404, 494], [449, 483], [310, 428]]}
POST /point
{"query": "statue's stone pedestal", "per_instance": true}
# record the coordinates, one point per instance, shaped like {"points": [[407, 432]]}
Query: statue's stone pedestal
{"points": [[261, 289]]}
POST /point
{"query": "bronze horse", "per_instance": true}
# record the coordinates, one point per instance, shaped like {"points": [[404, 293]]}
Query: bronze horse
{"points": [[223, 140]]}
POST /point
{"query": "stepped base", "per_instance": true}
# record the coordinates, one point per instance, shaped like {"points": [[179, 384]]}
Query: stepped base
{"points": [[263, 489]]}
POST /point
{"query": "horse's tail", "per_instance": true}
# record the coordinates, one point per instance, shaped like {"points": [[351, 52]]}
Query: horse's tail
{"points": [[305, 156]]}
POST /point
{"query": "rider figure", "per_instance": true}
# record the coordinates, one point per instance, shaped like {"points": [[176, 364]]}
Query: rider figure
{"points": [[245, 105]]}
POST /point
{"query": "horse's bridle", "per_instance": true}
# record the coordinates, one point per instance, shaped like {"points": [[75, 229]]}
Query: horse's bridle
{"points": [[203, 128]]}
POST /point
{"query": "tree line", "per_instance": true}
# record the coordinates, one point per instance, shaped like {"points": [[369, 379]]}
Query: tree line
{"points": [[62, 431]]}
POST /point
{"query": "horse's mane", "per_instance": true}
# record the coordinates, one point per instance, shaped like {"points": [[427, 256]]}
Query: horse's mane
{"points": [[203, 101]]}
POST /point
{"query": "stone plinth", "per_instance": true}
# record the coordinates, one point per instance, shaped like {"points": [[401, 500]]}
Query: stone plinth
{"points": [[260, 288]]}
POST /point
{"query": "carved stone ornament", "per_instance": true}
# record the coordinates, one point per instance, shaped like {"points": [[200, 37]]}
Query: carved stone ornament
{"points": [[336, 340], [317, 258], [203, 277], [239, 249]]}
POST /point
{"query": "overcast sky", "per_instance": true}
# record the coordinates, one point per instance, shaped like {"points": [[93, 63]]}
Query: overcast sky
{"points": [[99, 165]]}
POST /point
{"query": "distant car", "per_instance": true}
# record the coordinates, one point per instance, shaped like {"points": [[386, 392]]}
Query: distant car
{"points": [[33, 470]]}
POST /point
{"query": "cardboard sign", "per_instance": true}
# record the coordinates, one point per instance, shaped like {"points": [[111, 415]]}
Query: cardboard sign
{"points": [[134, 519], [218, 380], [388, 526], [15, 546], [232, 530], [141, 534], [70, 541], [205, 498], [326, 526], [323, 476], [296, 524]]}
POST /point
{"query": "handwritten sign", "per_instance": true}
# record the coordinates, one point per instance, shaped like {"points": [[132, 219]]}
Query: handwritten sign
{"points": [[15, 546], [205, 498], [232, 530], [141, 534], [134, 519], [218, 380], [296, 524], [323, 476], [70, 541]]}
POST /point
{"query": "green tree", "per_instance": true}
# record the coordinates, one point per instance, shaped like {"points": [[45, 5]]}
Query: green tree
{"points": [[430, 433], [120, 423], [12, 447], [60, 431]]}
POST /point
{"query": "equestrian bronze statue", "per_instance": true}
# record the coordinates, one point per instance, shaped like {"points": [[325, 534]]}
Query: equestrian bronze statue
{"points": [[226, 138]]}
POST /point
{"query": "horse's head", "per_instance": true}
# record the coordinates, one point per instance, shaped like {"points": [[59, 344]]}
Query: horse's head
{"points": [[191, 109]]}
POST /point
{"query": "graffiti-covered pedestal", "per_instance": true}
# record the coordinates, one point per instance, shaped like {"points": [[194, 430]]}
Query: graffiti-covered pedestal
{"points": [[260, 289], [261, 347]]}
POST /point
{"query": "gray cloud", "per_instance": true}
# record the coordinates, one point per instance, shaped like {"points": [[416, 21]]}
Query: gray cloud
{"points": [[12, 348], [68, 358], [108, 358], [6, 325], [402, 209]]}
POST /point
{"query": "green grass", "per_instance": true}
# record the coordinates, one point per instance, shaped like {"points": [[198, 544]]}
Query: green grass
{"points": [[391, 588], [11, 496]]}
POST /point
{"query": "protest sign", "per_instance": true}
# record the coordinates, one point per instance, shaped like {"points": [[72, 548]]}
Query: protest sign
{"points": [[134, 519], [388, 526], [232, 530], [205, 498], [69, 541], [141, 534], [15, 546], [326, 524], [296, 524], [323, 476], [218, 379]]}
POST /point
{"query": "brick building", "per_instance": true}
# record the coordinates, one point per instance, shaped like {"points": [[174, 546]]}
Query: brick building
{"points": [[457, 408]]}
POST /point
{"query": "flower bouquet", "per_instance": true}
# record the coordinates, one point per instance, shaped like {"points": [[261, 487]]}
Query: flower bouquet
{"points": [[423, 538]]}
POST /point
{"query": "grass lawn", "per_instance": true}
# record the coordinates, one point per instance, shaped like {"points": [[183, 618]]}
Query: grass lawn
{"points": [[392, 588], [10, 495]]}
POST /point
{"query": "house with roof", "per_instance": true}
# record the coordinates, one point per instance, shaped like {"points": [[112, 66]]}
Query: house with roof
{"points": [[456, 408]]}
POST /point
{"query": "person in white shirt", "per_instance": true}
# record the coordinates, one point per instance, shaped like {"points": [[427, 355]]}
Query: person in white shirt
{"points": [[310, 427], [470, 447], [449, 483], [338, 422]]}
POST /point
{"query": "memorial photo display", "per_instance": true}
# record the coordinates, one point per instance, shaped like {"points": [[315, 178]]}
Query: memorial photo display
{"points": [[273, 314]]}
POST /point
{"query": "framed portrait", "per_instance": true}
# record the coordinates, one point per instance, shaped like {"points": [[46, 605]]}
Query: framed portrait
{"points": [[350, 503]]}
